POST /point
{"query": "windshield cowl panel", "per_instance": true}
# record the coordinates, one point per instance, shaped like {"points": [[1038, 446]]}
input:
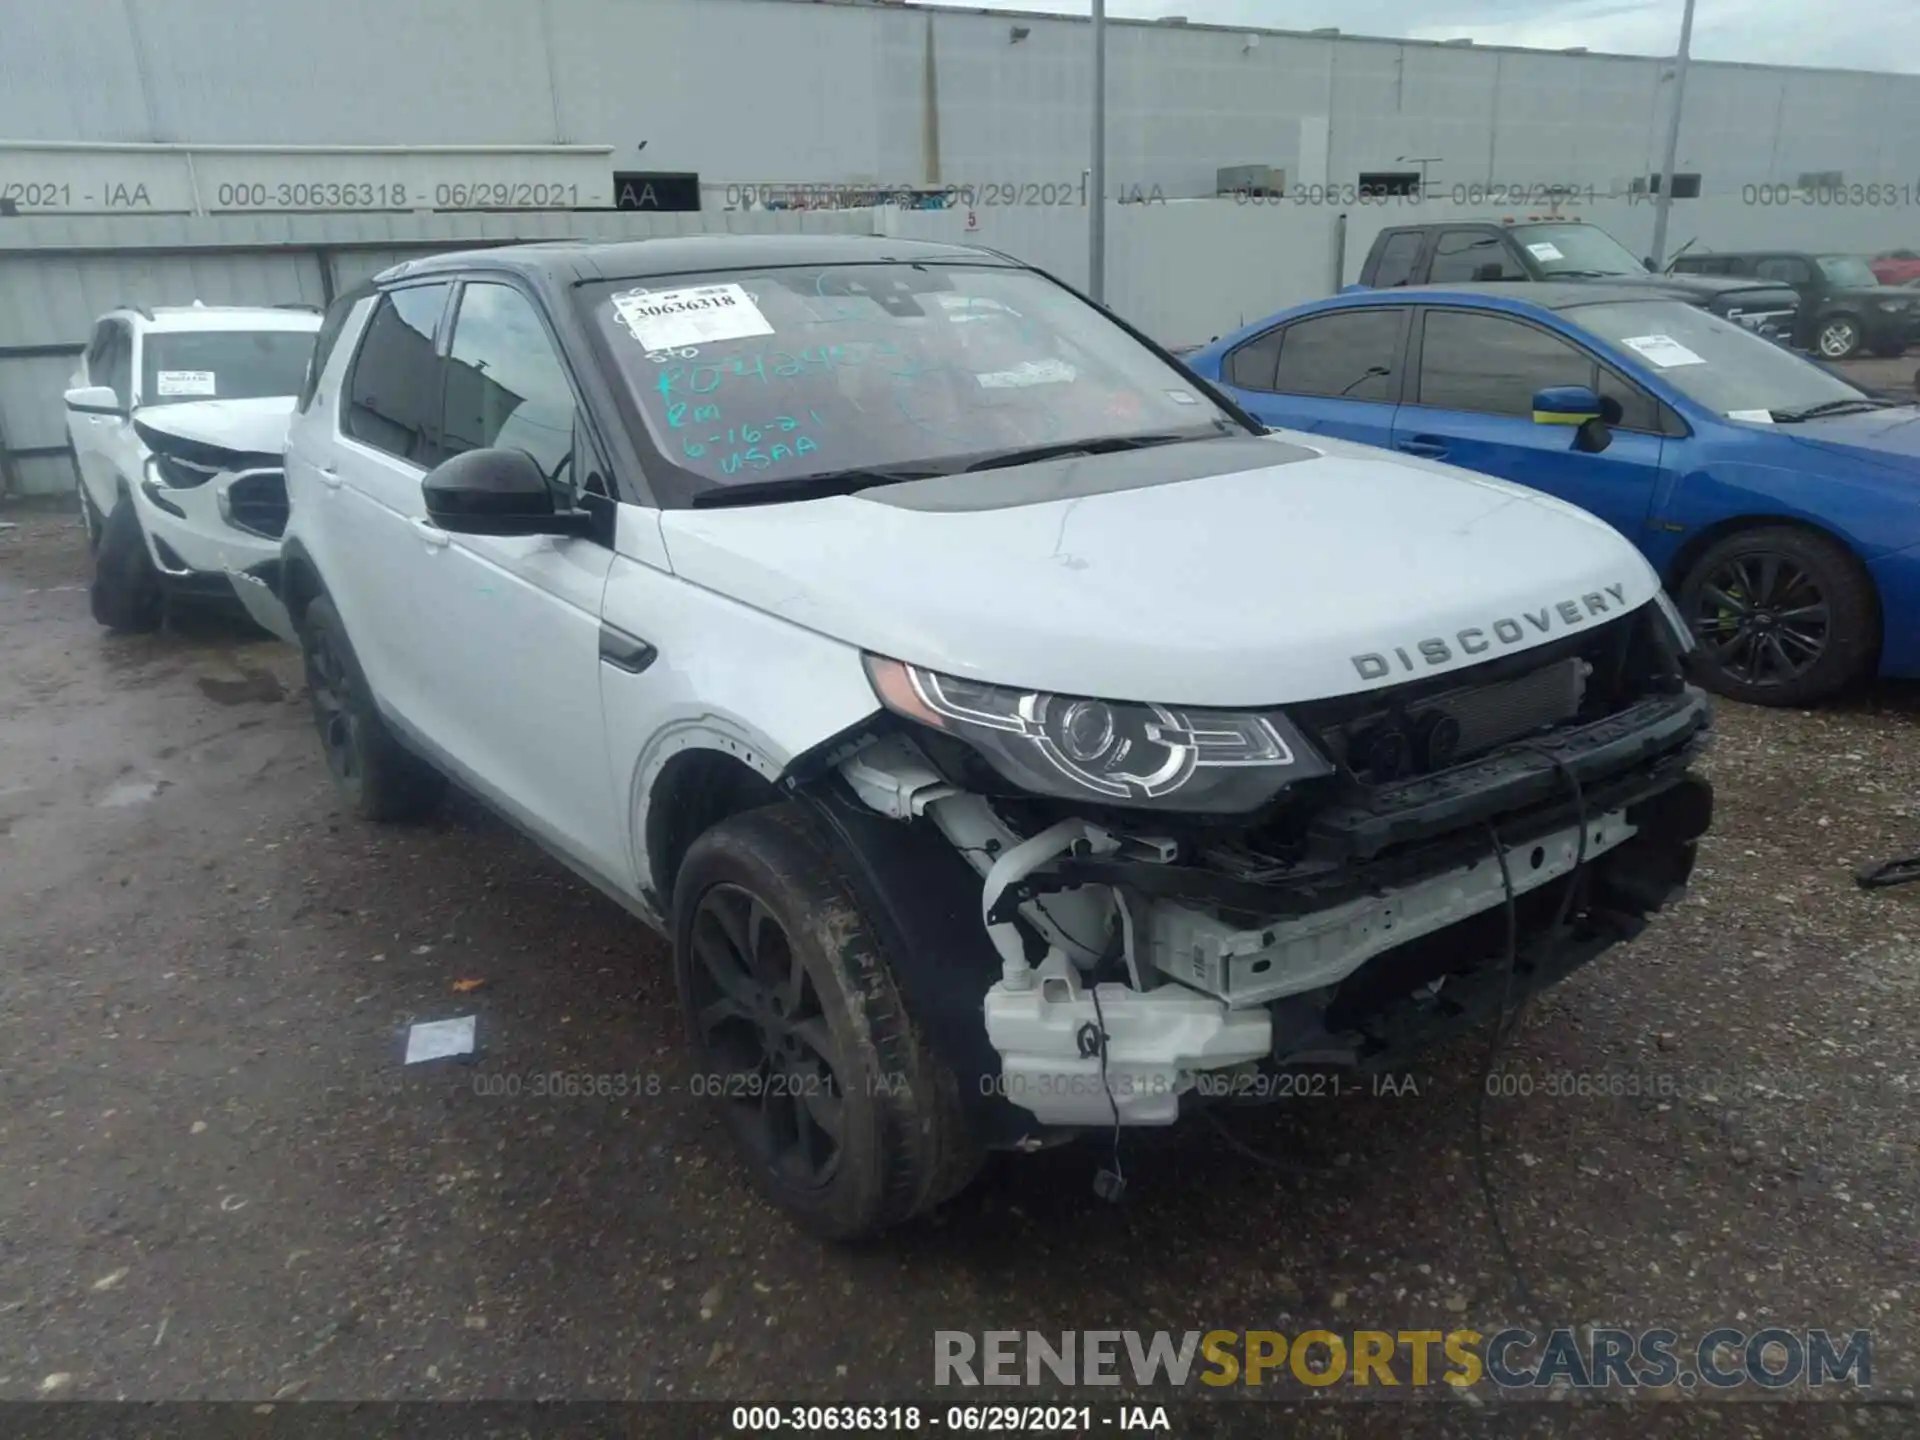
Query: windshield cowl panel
{"points": [[754, 377]]}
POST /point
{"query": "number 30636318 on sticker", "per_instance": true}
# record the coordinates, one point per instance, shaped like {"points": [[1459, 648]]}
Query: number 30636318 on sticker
{"points": [[696, 315]]}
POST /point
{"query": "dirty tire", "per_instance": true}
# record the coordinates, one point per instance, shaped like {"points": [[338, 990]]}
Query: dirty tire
{"points": [[90, 518], [839, 1109], [126, 588], [1820, 588], [377, 776]]}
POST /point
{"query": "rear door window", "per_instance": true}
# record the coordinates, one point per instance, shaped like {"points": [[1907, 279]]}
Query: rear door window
{"points": [[325, 340], [1349, 355], [1252, 366], [393, 393]]}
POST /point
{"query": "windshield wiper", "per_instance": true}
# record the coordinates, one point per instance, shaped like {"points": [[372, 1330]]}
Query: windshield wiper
{"points": [[810, 487], [1591, 274], [1103, 445], [1830, 407]]}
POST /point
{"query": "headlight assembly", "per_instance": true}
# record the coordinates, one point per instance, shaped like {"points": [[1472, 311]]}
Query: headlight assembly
{"points": [[177, 474], [1166, 756]]}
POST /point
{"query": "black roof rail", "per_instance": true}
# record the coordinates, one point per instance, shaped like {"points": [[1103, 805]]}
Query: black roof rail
{"points": [[300, 305]]}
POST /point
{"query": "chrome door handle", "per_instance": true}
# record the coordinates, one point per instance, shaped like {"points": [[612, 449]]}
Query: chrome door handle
{"points": [[431, 533]]}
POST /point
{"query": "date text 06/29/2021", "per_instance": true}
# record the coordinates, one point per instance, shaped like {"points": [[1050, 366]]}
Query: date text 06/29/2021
{"points": [[961, 1419]]}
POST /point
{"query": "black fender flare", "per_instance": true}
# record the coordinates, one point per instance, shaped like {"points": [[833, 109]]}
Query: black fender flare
{"points": [[923, 900], [296, 581]]}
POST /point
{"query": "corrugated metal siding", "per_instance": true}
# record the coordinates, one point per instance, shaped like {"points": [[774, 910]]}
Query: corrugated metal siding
{"points": [[58, 275], [769, 90], [69, 71], [346, 71]]}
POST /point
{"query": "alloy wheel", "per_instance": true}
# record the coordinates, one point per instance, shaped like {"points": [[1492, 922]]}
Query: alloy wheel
{"points": [[328, 684], [1839, 339], [758, 1015], [1763, 618]]}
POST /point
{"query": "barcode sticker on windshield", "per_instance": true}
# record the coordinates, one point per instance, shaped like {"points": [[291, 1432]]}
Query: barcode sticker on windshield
{"points": [[1545, 250], [696, 315], [185, 382], [1662, 350]]}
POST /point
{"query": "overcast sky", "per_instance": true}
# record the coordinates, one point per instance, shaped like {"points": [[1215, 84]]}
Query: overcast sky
{"points": [[1859, 34]]}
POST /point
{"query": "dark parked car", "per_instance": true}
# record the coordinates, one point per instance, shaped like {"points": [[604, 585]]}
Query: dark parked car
{"points": [[1559, 250], [1844, 308]]}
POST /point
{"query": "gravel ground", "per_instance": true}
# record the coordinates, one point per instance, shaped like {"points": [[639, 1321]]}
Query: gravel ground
{"points": [[217, 1181]]}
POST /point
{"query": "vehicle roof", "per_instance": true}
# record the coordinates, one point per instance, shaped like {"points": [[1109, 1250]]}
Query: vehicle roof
{"points": [[163, 318], [1544, 294], [580, 260], [1796, 250], [1494, 222], [1519, 297]]}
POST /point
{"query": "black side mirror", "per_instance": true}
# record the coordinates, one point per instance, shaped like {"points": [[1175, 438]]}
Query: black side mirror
{"points": [[1593, 436], [497, 492]]}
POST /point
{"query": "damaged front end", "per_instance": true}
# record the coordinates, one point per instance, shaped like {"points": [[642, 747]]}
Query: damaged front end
{"points": [[215, 512], [1184, 901]]}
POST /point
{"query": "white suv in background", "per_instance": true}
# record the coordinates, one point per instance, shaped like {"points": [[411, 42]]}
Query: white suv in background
{"points": [[1014, 739], [177, 417]]}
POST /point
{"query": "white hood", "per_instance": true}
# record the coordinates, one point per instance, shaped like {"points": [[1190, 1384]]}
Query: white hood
{"points": [[1349, 570], [256, 427]]}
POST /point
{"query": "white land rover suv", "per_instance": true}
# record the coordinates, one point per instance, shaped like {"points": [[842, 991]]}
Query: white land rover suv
{"points": [[177, 417], [1013, 739]]}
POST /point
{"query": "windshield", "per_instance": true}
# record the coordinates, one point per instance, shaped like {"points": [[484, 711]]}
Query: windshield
{"points": [[1576, 250], [1715, 362], [758, 376], [1848, 270], [223, 365]]}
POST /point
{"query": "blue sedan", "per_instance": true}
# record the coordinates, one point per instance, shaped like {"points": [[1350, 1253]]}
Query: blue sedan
{"points": [[1780, 504]]}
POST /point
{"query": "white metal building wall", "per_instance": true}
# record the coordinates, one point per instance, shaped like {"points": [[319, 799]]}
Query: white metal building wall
{"points": [[770, 90]]}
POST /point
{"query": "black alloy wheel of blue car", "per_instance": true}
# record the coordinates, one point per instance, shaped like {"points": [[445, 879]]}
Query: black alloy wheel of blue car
{"points": [[1783, 616]]}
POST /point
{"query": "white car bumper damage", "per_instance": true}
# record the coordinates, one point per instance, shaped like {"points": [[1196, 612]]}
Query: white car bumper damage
{"points": [[1142, 969]]}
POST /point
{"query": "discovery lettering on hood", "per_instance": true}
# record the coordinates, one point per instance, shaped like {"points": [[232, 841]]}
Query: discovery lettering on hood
{"points": [[1507, 631]]}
